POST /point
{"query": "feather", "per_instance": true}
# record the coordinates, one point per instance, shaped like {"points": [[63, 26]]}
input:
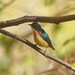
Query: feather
{"points": [[45, 36]]}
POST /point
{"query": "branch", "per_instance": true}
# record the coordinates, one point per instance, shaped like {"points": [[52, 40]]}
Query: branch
{"points": [[37, 49], [24, 19]]}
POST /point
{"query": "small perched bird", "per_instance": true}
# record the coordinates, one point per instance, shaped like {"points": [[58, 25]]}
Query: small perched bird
{"points": [[40, 36]]}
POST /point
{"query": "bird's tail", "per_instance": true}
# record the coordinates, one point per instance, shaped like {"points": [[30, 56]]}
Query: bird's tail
{"points": [[52, 47]]}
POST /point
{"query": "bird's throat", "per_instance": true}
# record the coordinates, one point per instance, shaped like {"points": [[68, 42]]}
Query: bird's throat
{"points": [[35, 33]]}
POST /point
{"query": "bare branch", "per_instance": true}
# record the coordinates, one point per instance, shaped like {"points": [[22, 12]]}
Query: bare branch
{"points": [[37, 49], [24, 19]]}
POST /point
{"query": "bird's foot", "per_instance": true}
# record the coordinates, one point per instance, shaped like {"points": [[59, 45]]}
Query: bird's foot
{"points": [[45, 51], [35, 44]]}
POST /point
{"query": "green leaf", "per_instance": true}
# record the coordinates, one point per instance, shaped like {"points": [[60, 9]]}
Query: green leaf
{"points": [[72, 5], [3, 39], [48, 2], [69, 7], [73, 64], [1, 6], [4, 64], [57, 27]]}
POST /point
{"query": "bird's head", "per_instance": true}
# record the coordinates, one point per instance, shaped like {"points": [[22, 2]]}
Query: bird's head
{"points": [[35, 26]]}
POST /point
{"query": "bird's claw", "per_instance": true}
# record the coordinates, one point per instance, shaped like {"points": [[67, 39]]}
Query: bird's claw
{"points": [[44, 51], [35, 44]]}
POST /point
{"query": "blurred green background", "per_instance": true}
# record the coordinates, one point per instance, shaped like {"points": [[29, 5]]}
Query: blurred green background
{"points": [[16, 58]]}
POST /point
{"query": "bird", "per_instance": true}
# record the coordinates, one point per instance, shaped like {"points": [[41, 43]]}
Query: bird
{"points": [[40, 36]]}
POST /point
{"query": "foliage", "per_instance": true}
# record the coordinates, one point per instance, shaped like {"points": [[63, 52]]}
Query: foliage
{"points": [[48, 2], [1, 6]]}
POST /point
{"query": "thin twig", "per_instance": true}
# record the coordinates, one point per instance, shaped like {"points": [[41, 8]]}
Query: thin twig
{"points": [[24, 19], [37, 49]]}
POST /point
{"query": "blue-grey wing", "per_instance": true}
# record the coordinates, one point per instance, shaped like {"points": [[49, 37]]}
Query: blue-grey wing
{"points": [[45, 36]]}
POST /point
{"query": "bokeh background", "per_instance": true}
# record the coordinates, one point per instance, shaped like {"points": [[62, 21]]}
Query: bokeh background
{"points": [[16, 58]]}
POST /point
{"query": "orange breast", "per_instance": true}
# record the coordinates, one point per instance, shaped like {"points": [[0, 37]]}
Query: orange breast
{"points": [[35, 33]]}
